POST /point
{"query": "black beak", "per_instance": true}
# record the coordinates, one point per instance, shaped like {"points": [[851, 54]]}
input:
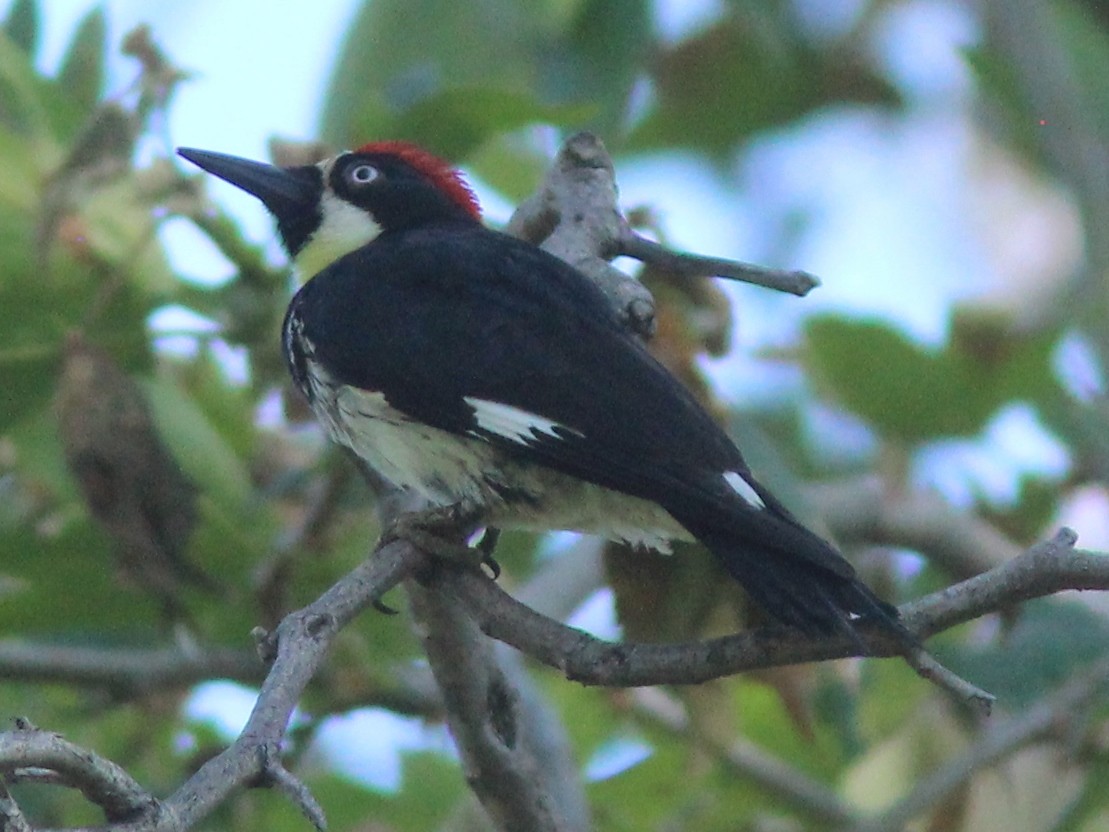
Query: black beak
{"points": [[282, 190], [292, 195]]}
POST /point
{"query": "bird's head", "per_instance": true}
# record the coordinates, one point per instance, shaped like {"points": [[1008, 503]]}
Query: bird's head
{"points": [[329, 209]]}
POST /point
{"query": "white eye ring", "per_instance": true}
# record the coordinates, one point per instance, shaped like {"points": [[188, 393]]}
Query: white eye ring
{"points": [[363, 174]]}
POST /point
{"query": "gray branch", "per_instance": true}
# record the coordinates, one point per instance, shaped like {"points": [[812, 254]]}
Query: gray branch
{"points": [[1043, 570], [294, 651], [300, 643], [865, 510], [575, 215], [101, 781], [485, 715], [126, 672], [685, 264]]}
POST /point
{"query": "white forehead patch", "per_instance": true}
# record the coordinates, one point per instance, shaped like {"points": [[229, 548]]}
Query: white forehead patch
{"points": [[343, 228], [743, 488], [513, 423]]}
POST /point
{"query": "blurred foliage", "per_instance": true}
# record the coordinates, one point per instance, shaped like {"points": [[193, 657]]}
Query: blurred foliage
{"points": [[276, 517], [911, 394]]}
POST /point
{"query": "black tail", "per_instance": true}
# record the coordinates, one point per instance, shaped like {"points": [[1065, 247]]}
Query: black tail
{"points": [[792, 573]]}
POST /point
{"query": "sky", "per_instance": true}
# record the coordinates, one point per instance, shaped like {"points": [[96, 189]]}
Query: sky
{"points": [[888, 199]]}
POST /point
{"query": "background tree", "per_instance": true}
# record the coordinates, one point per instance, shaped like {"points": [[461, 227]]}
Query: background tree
{"points": [[155, 509]]}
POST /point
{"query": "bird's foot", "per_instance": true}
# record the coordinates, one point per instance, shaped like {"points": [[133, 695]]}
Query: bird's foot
{"points": [[443, 531]]}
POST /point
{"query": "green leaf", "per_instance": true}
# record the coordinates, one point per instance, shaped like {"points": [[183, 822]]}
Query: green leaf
{"points": [[1001, 89], [24, 97], [119, 230], [200, 450], [456, 121], [421, 47], [452, 75], [1087, 45], [768, 722], [598, 60], [915, 394], [21, 184], [22, 25], [1084, 47], [431, 788], [229, 408], [65, 584], [749, 72], [645, 795], [878, 373], [81, 75], [1090, 811]]}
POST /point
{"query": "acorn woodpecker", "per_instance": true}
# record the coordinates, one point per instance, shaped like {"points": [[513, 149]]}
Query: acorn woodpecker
{"points": [[482, 372]]}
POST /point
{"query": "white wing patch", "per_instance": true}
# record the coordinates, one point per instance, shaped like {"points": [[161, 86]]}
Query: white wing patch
{"points": [[513, 423], [743, 488]]}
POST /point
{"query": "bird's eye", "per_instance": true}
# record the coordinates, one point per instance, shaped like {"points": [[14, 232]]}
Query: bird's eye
{"points": [[362, 174]]}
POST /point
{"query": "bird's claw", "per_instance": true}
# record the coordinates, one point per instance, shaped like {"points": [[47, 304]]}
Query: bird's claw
{"points": [[442, 532], [486, 546]]}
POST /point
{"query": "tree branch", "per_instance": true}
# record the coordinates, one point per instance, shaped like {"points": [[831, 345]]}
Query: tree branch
{"points": [[685, 264], [101, 781], [299, 644], [1043, 570], [575, 215], [127, 672], [484, 714], [295, 651], [864, 510], [856, 511]]}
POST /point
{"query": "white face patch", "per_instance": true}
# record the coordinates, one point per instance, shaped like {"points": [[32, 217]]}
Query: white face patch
{"points": [[343, 229], [512, 422], [743, 488]]}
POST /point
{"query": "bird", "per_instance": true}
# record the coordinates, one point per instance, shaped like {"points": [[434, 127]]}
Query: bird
{"points": [[490, 377]]}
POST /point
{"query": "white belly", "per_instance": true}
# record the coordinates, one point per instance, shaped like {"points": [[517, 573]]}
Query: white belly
{"points": [[448, 469]]}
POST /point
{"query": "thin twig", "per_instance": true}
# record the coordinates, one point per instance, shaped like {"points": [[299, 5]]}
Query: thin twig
{"points": [[686, 264], [1044, 569], [301, 640], [276, 775], [928, 668]]}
